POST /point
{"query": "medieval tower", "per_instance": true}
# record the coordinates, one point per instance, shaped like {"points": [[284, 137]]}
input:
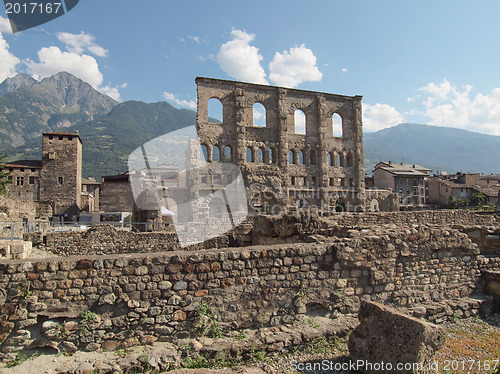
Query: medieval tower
{"points": [[61, 175]]}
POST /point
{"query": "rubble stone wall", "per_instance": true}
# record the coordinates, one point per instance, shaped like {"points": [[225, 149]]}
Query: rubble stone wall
{"points": [[110, 301], [105, 239], [404, 219]]}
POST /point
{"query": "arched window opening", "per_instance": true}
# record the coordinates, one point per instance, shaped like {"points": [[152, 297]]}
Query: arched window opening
{"points": [[215, 111], [228, 157], [301, 158], [337, 125], [340, 206], [291, 158], [270, 155], [330, 159], [260, 155], [300, 122], [204, 153], [216, 153], [312, 157], [259, 115], [249, 155], [340, 160]]}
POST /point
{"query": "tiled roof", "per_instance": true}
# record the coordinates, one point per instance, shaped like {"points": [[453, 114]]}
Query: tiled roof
{"points": [[34, 164], [403, 169]]}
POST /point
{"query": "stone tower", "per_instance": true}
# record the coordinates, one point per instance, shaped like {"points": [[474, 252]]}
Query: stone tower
{"points": [[61, 176]]}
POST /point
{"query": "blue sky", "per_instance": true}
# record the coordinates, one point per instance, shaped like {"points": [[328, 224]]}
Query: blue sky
{"points": [[430, 62]]}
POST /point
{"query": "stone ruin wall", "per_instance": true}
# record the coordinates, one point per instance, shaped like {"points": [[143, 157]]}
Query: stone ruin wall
{"points": [[104, 239], [322, 181], [141, 298]]}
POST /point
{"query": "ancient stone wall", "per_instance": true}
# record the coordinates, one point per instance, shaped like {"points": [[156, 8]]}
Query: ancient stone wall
{"points": [[111, 301], [288, 166], [404, 219], [105, 239]]}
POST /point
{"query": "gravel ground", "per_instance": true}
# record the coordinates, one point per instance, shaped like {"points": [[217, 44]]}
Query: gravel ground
{"points": [[471, 341]]}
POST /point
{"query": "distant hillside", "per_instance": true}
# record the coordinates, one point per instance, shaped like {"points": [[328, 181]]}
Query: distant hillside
{"points": [[29, 108], [434, 147], [109, 140]]}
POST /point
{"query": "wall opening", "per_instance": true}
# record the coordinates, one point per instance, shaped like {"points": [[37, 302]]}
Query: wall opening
{"points": [[204, 153], [300, 122], [259, 115], [249, 155], [337, 125], [260, 155], [270, 155], [216, 154], [215, 111], [228, 157], [301, 158], [291, 157]]}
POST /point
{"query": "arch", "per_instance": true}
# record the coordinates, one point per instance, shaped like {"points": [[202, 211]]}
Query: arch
{"points": [[265, 202], [301, 158], [215, 110], [312, 157], [217, 207], [337, 123], [340, 205], [260, 154], [216, 156], [249, 155], [340, 159], [204, 152], [259, 115], [291, 157], [374, 206], [331, 158], [271, 155], [300, 121], [228, 154]]}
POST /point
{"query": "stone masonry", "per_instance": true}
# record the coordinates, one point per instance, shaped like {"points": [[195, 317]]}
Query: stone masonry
{"points": [[283, 168], [124, 300]]}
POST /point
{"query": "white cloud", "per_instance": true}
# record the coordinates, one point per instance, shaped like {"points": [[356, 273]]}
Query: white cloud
{"points": [[113, 91], [380, 116], [344, 70], [5, 25], [80, 43], [191, 104], [452, 106], [195, 38], [240, 60], [53, 60], [293, 67], [8, 61]]}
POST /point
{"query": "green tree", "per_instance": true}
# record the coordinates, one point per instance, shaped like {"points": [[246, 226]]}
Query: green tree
{"points": [[3, 175], [478, 198]]}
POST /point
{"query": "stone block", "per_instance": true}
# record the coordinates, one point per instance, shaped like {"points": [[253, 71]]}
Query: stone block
{"points": [[386, 335]]}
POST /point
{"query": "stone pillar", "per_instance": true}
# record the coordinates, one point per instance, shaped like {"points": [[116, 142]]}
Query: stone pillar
{"points": [[240, 126], [359, 163]]}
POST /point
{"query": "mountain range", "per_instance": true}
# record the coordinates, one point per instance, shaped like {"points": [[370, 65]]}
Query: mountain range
{"points": [[110, 131]]}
